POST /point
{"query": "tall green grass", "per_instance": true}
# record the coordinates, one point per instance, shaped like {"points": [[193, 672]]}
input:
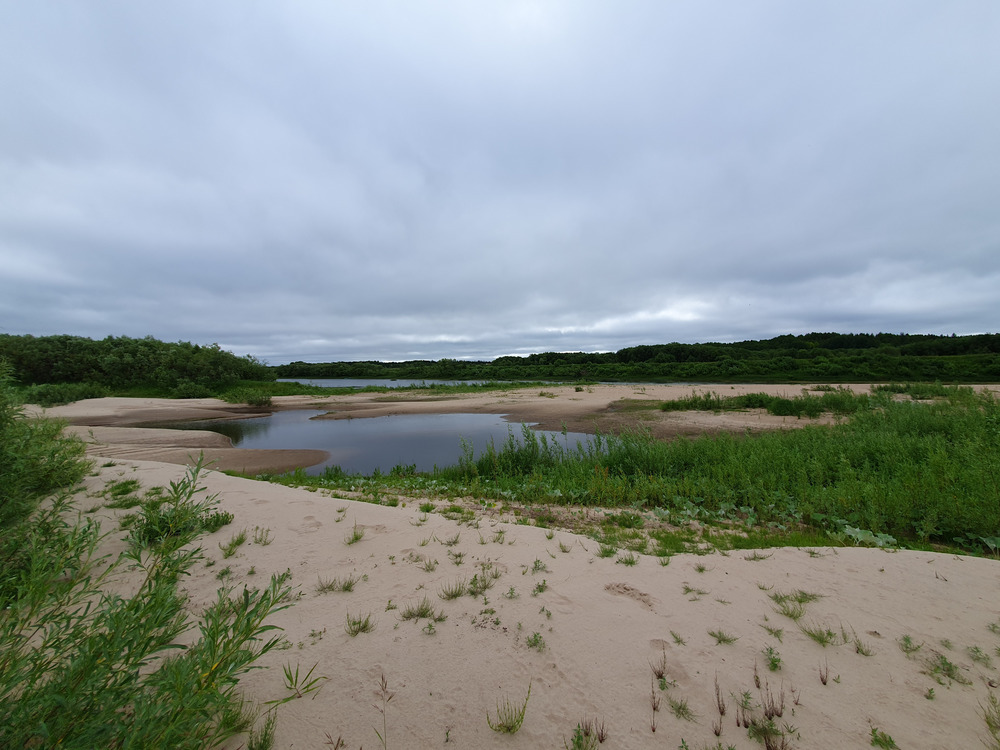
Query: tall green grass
{"points": [[920, 472], [81, 667]]}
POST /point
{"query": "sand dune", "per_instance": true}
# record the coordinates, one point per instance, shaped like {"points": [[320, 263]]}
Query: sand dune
{"points": [[583, 630]]}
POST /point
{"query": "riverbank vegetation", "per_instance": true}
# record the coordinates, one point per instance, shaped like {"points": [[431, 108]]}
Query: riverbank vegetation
{"points": [[892, 470], [77, 659], [59, 369], [814, 357]]}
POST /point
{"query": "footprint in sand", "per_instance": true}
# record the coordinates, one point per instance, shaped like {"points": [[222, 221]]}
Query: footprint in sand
{"points": [[624, 589], [309, 524]]}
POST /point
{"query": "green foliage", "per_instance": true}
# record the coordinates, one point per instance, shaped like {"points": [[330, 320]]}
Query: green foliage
{"points": [[172, 520], [814, 357], [509, 717], [73, 656], [35, 458], [117, 364]]}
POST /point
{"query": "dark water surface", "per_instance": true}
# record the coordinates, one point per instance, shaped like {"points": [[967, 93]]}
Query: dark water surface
{"points": [[360, 446]]}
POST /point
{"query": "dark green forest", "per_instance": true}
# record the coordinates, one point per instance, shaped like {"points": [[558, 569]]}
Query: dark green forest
{"points": [[53, 369], [825, 357], [63, 368]]}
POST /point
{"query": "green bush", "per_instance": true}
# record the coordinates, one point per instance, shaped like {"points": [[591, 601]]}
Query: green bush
{"points": [[82, 668]]}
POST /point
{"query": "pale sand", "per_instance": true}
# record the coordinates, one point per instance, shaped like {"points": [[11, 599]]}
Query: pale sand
{"points": [[608, 621]]}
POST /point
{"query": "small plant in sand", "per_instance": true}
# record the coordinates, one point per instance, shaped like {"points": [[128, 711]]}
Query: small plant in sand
{"points": [[773, 658], [991, 715], [607, 550], [722, 637], [629, 559], [452, 541], [979, 656], [587, 736], [824, 636], [336, 584], [359, 624], [355, 536], [654, 703], [678, 638], [940, 668], [509, 717], [299, 685], [384, 696], [262, 536], [453, 590], [907, 645], [234, 543], [420, 611], [881, 739], [535, 641]]}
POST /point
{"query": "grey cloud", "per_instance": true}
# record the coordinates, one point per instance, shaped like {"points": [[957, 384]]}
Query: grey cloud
{"points": [[326, 181]]}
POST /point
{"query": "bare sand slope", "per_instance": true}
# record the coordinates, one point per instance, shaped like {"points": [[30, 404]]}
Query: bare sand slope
{"points": [[582, 630], [596, 625]]}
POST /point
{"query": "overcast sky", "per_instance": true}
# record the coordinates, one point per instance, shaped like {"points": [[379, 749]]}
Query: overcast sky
{"points": [[415, 180]]}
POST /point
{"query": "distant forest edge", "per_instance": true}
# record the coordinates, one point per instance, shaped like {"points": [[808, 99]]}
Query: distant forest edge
{"points": [[822, 357], [79, 367], [59, 368]]}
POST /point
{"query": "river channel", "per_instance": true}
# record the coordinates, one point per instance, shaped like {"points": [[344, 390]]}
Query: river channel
{"points": [[362, 446]]}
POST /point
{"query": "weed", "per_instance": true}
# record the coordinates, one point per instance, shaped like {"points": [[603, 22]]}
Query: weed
{"points": [[428, 565], [564, 548], [539, 567], [509, 717], [722, 637], [991, 715], [907, 646], [456, 557], [773, 659], [359, 624], [774, 632], [607, 550], [427, 507], [535, 641], [511, 593], [384, 696], [881, 739], [979, 656], [681, 710], [299, 686], [336, 584], [540, 587], [929, 695], [677, 638], [356, 535], [584, 737], [822, 635], [629, 559], [659, 667], [756, 556], [224, 573], [420, 611], [452, 541], [262, 536], [940, 669], [453, 590]]}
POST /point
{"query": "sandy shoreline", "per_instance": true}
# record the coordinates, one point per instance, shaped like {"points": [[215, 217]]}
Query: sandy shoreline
{"points": [[599, 623], [119, 427]]}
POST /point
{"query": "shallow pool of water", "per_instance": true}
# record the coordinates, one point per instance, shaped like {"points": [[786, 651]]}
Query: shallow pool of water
{"points": [[362, 446]]}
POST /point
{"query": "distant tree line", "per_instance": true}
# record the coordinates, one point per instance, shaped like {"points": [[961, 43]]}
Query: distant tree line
{"points": [[823, 357], [120, 363]]}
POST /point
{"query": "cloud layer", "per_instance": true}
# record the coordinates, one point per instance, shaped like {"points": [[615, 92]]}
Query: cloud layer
{"points": [[333, 181]]}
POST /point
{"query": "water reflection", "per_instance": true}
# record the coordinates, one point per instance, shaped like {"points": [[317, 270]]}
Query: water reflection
{"points": [[362, 446]]}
